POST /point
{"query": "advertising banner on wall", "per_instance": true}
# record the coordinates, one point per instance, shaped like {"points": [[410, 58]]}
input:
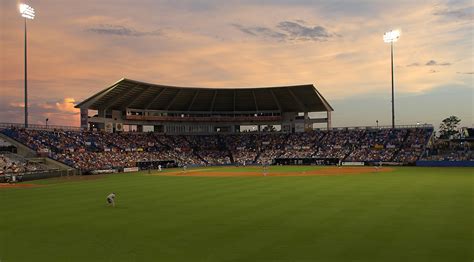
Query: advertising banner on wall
{"points": [[119, 127], [130, 169], [109, 127]]}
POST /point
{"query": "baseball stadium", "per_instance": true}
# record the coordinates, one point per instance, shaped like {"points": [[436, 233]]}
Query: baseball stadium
{"points": [[244, 131], [247, 174]]}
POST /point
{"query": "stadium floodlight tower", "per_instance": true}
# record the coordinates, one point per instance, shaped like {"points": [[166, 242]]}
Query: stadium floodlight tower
{"points": [[26, 12], [391, 37]]}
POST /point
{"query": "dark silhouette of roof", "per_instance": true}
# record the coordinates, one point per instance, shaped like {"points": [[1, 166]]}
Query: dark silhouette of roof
{"points": [[133, 94]]}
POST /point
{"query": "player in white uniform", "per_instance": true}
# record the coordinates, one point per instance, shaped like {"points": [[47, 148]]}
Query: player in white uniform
{"points": [[111, 199], [159, 168], [265, 169]]}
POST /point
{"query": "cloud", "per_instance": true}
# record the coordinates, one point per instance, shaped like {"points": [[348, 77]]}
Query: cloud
{"points": [[289, 31], [59, 112], [434, 63], [67, 105], [462, 13], [261, 31], [465, 73], [120, 30], [429, 63], [300, 32], [17, 104]]}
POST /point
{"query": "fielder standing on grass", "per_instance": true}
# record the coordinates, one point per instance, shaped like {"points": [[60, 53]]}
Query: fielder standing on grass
{"points": [[265, 169], [111, 199]]}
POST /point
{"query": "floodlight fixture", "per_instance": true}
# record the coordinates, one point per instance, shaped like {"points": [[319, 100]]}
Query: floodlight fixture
{"points": [[27, 11], [391, 36]]}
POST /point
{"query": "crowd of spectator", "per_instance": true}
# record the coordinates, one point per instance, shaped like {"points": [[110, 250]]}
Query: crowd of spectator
{"points": [[243, 148], [377, 145], [99, 150], [451, 150], [14, 164]]}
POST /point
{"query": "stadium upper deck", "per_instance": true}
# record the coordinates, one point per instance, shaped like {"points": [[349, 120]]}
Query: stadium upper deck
{"points": [[134, 105]]}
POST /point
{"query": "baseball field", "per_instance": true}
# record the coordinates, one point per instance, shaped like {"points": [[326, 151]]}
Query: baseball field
{"points": [[239, 214]]}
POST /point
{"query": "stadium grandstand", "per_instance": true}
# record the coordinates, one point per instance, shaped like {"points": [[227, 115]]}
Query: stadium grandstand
{"points": [[130, 105], [454, 149], [92, 151], [134, 125]]}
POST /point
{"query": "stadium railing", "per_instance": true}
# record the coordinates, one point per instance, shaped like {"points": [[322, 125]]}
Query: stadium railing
{"points": [[205, 119], [40, 127], [376, 127], [76, 128]]}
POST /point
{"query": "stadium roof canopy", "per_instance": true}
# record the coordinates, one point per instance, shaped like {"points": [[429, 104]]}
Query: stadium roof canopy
{"points": [[133, 94]]}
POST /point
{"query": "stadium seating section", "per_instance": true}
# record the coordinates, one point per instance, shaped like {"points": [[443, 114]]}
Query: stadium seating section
{"points": [[97, 150], [12, 163]]}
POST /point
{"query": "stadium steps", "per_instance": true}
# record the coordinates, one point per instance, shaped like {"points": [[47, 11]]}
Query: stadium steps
{"points": [[231, 156], [257, 156], [195, 150], [200, 157], [224, 147], [318, 143], [352, 147], [164, 145], [429, 138], [347, 155], [400, 147]]}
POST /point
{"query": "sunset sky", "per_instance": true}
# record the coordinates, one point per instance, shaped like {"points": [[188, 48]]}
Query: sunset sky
{"points": [[77, 48]]}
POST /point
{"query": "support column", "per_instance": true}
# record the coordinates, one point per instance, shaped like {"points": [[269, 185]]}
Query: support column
{"points": [[329, 124], [84, 118]]}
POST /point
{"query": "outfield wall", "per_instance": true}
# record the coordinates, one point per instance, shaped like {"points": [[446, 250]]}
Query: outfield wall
{"points": [[446, 163], [20, 177]]}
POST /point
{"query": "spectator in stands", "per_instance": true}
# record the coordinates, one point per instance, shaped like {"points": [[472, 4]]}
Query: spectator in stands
{"points": [[90, 151]]}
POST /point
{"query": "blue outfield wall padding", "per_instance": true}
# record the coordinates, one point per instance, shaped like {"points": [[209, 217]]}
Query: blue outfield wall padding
{"points": [[446, 163]]}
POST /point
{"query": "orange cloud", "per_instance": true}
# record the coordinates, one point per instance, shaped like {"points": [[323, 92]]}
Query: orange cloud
{"points": [[67, 105], [17, 104]]}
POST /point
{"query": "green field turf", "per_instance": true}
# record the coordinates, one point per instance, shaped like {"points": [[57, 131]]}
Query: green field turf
{"points": [[410, 214]]}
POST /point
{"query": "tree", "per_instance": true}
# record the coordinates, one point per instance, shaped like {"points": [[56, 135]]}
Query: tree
{"points": [[449, 127]]}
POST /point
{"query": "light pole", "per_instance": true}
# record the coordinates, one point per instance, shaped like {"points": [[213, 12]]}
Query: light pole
{"points": [[27, 12], [47, 119], [391, 37]]}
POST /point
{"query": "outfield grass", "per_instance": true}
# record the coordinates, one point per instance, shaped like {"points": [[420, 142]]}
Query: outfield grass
{"points": [[411, 214]]}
